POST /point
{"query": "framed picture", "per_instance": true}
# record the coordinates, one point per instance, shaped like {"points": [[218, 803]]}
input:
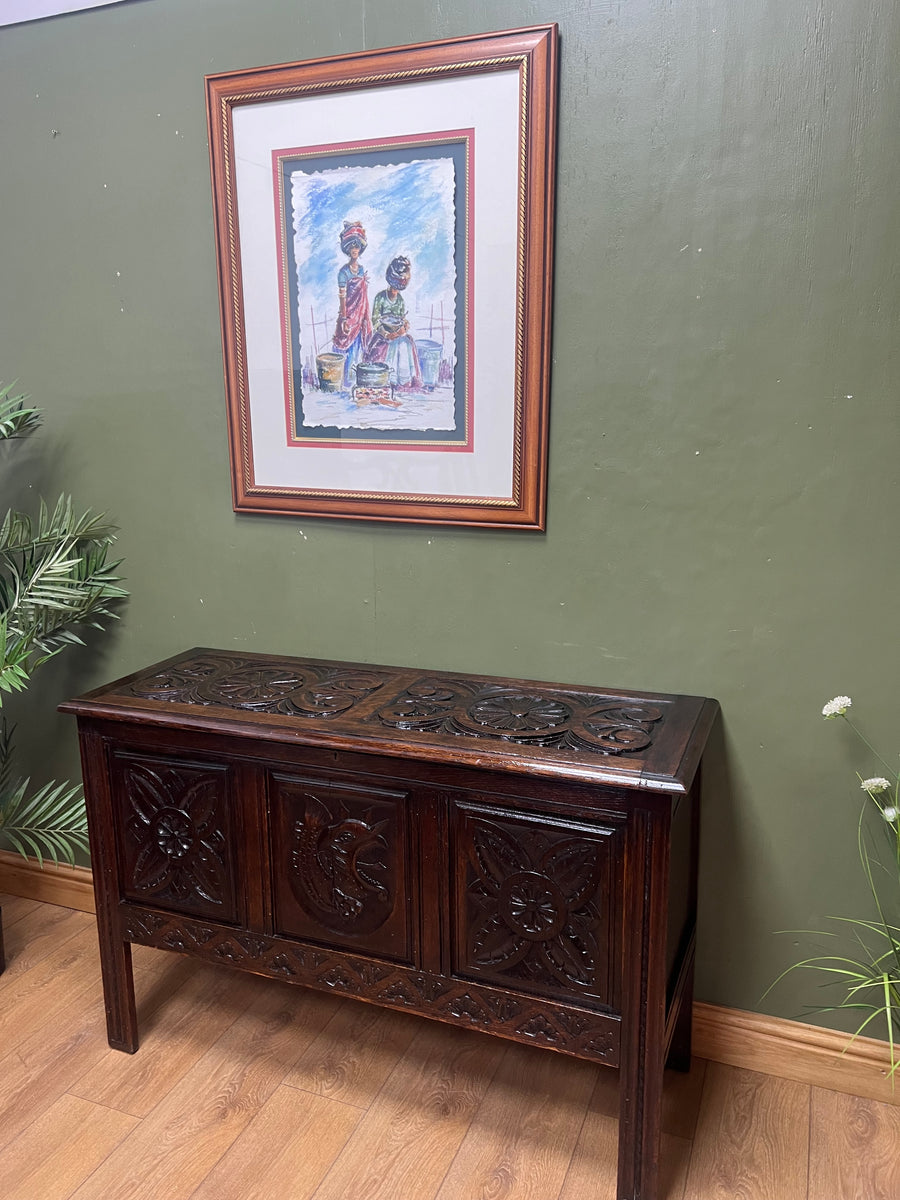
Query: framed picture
{"points": [[384, 234]]}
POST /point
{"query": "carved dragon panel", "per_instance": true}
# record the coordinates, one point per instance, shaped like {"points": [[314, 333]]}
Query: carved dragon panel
{"points": [[341, 866]]}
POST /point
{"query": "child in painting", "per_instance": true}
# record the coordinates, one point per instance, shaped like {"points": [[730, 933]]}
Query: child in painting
{"points": [[353, 328], [391, 341]]}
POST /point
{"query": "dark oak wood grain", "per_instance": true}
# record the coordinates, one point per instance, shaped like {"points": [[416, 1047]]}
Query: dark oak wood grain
{"points": [[511, 856]]}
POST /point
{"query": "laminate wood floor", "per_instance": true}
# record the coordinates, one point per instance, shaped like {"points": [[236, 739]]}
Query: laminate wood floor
{"points": [[248, 1089]]}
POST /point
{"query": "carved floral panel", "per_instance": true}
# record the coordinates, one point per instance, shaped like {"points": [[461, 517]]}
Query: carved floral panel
{"points": [[175, 834], [537, 716], [533, 905], [293, 688]]}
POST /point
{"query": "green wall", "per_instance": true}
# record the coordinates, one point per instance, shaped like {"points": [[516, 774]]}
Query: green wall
{"points": [[724, 433]]}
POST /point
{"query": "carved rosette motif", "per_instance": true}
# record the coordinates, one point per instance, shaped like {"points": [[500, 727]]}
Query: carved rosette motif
{"points": [[234, 682], [173, 833], [535, 717], [533, 904], [339, 873], [585, 1034]]}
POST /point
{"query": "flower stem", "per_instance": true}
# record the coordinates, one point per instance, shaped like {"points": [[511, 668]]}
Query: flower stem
{"points": [[862, 737]]}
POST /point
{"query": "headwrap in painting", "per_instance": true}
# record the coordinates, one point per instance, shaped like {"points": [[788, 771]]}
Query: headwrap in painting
{"points": [[353, 234], [398, 272]]}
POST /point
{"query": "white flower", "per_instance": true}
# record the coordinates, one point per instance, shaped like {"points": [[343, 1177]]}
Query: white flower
{"points": [[837, 707], [875, 785], [891, 813]]}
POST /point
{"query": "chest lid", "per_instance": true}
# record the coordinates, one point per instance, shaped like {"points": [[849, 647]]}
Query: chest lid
{"points": [[630, 739]]}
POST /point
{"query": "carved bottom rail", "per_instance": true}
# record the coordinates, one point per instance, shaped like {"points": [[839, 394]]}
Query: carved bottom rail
{"points": [[579, 1032]]}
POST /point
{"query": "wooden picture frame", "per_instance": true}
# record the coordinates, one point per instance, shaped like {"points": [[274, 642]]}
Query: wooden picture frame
{"points": [[384, 236]]}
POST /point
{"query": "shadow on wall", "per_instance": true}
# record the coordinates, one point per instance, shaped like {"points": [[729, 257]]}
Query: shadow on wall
{"points": [[725, 901]]}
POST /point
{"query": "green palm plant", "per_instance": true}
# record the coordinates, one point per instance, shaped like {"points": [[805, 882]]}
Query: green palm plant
{"points": [[55, 577]]}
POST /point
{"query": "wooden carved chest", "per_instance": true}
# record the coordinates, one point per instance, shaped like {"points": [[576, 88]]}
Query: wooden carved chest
{"points": [[516, 857]]}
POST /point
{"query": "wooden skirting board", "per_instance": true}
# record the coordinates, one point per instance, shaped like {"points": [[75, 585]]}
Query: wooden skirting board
{"points": [[72, 887], [770, 1045], [794, 1050]]}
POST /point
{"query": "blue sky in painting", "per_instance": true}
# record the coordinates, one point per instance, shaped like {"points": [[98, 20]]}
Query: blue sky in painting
{"points": [[406, 208]]}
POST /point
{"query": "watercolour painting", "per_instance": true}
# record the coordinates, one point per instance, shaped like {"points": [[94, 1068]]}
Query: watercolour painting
{"points": [[369, 251], [384, 238]]}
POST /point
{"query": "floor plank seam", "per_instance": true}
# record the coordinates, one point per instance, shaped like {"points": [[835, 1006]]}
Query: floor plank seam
{"points": [[437, 1190], [7, 923], [809, 1139], [576, 1143], [331, 1099], [122, 1112], [92, 1173]]}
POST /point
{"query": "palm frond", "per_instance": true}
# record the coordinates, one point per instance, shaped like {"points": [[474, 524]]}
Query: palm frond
{"points": [[13, 662], [19, 534], [15, 419], [54, 574], [49, 823], [6, 736]]}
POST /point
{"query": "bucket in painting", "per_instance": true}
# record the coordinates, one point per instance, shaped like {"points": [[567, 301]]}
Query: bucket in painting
{"points": [[429, 360], [370, 375], [330, 369]]}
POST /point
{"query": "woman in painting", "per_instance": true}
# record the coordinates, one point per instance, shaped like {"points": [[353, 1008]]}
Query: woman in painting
{"points": [[391, 341], [353, 328]]}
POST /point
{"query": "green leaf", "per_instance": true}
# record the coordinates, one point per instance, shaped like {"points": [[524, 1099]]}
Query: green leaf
{"points": [[15, 419], [51, 822]]}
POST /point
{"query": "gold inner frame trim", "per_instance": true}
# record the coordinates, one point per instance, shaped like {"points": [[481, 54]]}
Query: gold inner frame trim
{"points": [[227, 103]]}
